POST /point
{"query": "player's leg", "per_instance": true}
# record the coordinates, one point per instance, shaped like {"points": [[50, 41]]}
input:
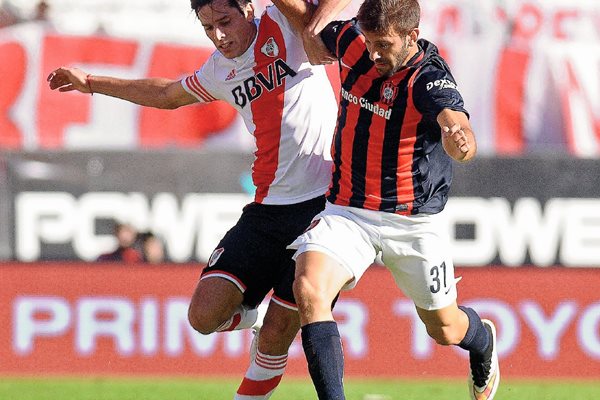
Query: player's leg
{"points": [[280, 326], [418, 257], [216, 306], [319, 279], [462, 326], [230, 287], [333, 253], [275, 269]]}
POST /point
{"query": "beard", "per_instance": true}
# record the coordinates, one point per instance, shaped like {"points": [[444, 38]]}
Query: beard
{"points": [[400, 59]]}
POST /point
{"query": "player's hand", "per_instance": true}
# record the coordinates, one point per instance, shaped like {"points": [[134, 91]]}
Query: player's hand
{"points": [[455, 142], [316, 50], [68, 79]]}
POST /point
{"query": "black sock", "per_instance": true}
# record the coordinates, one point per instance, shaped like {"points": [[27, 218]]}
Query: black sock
{"points": [[323, 348], [477, 339]]}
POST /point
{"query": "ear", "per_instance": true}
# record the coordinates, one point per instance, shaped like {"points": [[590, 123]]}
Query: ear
{"points": [[414, 36], [249, 11]]}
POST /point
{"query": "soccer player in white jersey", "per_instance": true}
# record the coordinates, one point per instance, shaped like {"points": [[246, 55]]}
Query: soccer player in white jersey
{"points": [[261, 69]]}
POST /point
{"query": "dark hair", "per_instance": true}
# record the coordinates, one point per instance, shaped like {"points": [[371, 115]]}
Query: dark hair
{"points": [[198, 4], [401, 16]]}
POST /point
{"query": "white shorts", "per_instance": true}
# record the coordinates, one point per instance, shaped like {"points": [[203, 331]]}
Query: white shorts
{"points": [[414, 248]]}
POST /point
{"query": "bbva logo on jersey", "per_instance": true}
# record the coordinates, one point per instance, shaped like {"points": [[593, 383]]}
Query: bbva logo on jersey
{"points": [[252, 88]]}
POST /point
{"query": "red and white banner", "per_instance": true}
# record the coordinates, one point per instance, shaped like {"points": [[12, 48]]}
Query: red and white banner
{"points": [[529, 72], [79, 319]]}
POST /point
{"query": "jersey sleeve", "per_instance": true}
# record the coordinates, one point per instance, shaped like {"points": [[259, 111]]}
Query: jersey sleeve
{"points": [[331, 34], [347, 43], [199, 85], [434, 90]]}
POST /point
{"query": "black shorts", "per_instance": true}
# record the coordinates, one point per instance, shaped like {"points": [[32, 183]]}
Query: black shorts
{"points": [[253, 253]]}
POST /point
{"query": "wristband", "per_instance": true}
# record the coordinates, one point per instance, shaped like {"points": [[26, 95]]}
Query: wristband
{"points": [[89, 85]]}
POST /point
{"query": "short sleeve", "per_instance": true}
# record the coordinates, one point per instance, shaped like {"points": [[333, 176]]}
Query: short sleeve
{"points": [[434, 90], [330, 35], [198, 85]]}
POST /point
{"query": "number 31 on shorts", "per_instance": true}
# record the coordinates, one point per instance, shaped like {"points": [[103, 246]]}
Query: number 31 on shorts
{"points": [[438, 276]]}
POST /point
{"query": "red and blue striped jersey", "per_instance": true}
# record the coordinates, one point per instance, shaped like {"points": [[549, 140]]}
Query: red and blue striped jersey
{"points": [[387, 148]]}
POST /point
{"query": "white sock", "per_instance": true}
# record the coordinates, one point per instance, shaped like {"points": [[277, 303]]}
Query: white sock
{"points": [[242, 318], [262, 377]]}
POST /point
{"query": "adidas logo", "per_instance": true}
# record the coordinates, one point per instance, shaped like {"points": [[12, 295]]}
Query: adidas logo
{"points": [[231, 75]]}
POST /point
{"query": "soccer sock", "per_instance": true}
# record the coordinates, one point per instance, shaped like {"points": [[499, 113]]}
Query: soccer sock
{"points": [[323, 349], [262, 377], [242, 318], [477, 338]]}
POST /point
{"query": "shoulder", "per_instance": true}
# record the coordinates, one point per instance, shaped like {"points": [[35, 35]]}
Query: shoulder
{"points": [[337, 29], [214, 63], [433, 71], [338, 36], [272, 14]]}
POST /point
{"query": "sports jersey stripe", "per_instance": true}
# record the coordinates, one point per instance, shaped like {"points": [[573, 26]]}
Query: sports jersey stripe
{"points": [[194, 84], [346, 37], [343, 147], [344, 159], [350, 151], [201, 88], [391, 149], [336, 149], [374, 171], [406, 185], [267, 111], [361, 148]]}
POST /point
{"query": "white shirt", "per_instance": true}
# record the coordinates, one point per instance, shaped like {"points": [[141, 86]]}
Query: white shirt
{"points": [[291, 117]]}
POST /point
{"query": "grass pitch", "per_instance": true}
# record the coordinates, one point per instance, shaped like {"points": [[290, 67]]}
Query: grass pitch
{"points": [[290, 389]]}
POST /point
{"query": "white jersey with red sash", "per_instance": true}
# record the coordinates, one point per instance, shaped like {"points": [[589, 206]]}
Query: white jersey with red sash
{"points": [[291, 117]]}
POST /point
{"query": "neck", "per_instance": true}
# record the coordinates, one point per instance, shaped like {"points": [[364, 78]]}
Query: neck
{"points": [[411, 53]]}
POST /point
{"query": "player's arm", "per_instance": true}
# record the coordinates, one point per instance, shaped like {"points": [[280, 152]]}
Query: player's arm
{"points": [[152, 92], [313, 45], [309, 21], [457, 136]]}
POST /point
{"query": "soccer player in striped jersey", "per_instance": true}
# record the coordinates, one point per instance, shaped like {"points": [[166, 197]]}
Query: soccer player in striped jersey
{"points": [[261, 69], [401, 122]]}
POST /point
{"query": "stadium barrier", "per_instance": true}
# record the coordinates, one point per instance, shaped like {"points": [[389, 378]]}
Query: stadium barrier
{"points": [[62, 205], [84, 319]]}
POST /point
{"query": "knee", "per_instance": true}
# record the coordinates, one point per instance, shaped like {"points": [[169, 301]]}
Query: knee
{"points": [[445, 335], [309, 294], [201, 320]]}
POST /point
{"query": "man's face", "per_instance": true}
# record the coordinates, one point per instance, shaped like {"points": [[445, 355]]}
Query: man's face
{"points": [[389, 51], [231, 31]]}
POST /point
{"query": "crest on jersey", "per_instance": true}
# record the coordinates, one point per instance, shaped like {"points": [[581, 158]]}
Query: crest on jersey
{"points": [[270, 48], [214, 257], [389, 91]]}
